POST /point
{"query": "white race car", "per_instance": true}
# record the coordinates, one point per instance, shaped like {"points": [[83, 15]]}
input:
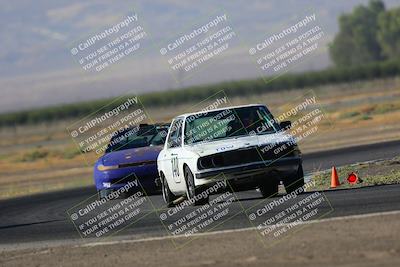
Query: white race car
{"points": [[242, 145]]}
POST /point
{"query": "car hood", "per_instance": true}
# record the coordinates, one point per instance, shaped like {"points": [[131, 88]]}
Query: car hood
{"points": [[204, 149], [133, 155]]}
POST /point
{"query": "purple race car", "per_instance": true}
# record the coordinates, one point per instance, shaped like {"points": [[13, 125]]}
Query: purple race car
{"points": [[131, 153]]}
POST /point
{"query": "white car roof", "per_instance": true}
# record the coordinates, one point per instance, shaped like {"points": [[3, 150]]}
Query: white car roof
{"points": [[232, 107]]}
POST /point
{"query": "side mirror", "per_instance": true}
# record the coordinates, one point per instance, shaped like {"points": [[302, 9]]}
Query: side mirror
{"points": [[285, 125]]}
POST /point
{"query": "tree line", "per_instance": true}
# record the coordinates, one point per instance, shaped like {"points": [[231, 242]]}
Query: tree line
{"points": [[198, 93], [367, 46], [367, 34]]}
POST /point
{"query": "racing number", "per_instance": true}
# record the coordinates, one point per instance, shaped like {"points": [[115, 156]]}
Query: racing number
{"points": [[174, 142], [175, 168]]}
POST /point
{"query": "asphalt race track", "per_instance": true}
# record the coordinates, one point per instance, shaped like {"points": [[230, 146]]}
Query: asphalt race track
{"points": [[43, 217]]}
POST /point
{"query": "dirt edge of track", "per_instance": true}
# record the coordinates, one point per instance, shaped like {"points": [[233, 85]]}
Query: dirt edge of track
{"points": [[366, 241]]}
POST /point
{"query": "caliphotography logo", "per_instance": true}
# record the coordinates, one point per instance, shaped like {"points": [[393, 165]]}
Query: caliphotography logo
{"points": [[177, 133]]}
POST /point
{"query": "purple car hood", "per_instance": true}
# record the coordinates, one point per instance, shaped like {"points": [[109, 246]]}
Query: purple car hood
{"points": [[133, 155]]}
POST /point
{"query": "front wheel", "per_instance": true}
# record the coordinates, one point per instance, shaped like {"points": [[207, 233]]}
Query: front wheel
{"points": [[168, 196], [269, 187], [103, 193], [295, 182], [192, 192]]}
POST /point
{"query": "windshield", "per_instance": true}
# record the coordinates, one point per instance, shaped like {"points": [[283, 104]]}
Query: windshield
{"points": [[229, 123], [139, 136]]}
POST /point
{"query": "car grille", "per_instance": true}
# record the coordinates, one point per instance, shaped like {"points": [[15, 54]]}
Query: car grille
{"points": [[136, 164], [246, 155]]}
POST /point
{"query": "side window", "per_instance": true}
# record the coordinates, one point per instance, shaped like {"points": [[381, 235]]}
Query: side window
{"points": [[175, 135]]}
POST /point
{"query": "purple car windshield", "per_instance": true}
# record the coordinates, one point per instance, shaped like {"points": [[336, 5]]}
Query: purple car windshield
{"points": [[136, 137]]}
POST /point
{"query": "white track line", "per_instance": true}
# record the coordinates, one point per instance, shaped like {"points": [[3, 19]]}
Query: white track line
{"points": [[107, 243]]}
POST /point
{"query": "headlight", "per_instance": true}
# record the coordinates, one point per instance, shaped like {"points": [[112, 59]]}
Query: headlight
{"points": [[101, 167], [204, 163]]}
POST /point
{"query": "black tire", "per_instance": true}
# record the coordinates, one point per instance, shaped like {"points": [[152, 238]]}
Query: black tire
{"points": [[295, 182], [168, 196], [103, 193], [269, 187], [191, 189]]}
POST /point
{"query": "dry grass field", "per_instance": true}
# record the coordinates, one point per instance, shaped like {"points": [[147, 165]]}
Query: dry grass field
{"points": [[43, 157]]}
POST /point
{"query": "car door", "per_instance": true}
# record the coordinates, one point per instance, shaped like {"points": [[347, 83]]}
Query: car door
{"points": [[174, 145]]}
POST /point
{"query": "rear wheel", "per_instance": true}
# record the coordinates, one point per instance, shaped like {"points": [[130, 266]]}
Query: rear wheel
{"points": [[192, 191], [295, 182], [269, 187], [168, 196]]}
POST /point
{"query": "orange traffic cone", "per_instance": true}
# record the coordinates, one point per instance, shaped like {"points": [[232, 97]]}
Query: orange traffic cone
{"points": [[334, 178]]}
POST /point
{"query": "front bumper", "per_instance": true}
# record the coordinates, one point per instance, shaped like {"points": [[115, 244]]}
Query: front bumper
{"points": [[282, 166], [115, 179]]}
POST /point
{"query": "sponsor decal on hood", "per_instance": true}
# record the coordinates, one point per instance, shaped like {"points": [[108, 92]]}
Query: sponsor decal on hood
{"points": [[229, 144]]}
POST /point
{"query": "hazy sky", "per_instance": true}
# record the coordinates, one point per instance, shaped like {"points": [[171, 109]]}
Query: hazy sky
{"points": [[37, 67]]}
